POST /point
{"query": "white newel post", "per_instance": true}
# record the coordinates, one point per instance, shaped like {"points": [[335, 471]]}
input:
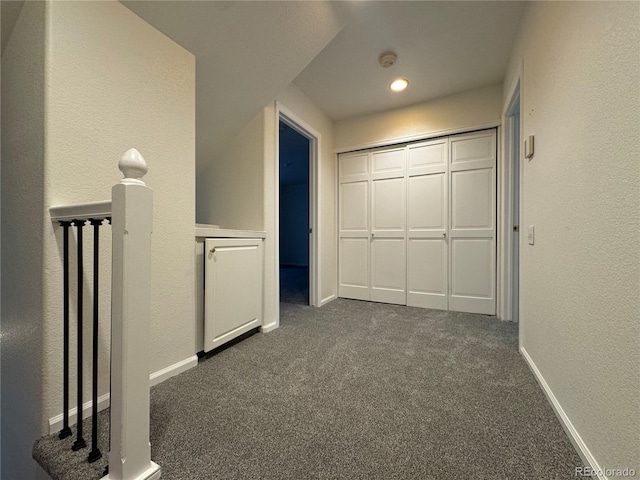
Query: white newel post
{"points": [[132, 212]]}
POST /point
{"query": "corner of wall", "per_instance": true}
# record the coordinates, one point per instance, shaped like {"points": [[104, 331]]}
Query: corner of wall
{"points": [[23, 183]]}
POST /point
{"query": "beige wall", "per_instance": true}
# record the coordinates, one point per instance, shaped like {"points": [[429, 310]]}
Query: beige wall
{"points": [[23, 133], [230, 190], [114, 82], [479, 108], [580, 282], [239, 190]]}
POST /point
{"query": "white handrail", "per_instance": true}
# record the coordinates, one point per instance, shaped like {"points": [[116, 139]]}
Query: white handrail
{"points": [[81, 211], [131, 226]]}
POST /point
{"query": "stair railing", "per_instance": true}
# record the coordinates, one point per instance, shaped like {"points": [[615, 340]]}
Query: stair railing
{"points": [[130, 213]]}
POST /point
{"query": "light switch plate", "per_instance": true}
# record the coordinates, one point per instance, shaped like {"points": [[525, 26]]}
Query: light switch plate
{"points": [[528, 147], [530, 236]]}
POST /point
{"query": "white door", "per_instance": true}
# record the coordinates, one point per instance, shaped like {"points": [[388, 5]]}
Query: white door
{"points": [[354, 229], [473, 223], [428, 215], [388, 219], [233, 288]]}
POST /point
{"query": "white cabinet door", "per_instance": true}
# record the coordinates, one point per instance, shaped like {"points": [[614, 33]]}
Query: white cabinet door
{"points": [[473, 222], [427, 225], [388, 226], [354, 229], [233, 288]]}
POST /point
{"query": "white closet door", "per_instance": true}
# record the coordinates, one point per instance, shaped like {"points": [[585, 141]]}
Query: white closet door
{"points": [[428, 214], [354, 229], [388, 219], [473, 222]]}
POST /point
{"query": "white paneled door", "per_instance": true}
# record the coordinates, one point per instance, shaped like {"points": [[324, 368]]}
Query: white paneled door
{"points": [[473, 223], [354, 228], [417, 224], [388, 231], [427, 224]]}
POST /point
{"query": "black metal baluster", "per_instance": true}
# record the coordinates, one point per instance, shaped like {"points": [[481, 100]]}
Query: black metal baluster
{"points": [[106, 468], [79, 443], [95, 452], [66, 431]]}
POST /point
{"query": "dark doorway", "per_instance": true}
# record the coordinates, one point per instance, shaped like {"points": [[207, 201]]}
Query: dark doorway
{"points": [[294, 216]]}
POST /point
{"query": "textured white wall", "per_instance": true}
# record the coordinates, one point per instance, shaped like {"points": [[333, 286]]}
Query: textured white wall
{"points": [[580, 282], [230, 190], [23, 131], [462, 112], [297, 102], [114, 82]]}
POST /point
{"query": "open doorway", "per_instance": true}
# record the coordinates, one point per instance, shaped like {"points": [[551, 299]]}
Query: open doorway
{"points": [[294, 212]]}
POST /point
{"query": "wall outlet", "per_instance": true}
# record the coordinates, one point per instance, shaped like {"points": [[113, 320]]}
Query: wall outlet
{"points": [[530, 236]]}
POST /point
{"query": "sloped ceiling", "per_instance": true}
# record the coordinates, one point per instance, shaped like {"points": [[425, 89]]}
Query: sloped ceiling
{"points": [[246, 53], [443, 48]]}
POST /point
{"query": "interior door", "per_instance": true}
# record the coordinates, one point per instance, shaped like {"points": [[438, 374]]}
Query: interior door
{"points": [[354, 232], [427, 224], [473, 223], [388, 219]]}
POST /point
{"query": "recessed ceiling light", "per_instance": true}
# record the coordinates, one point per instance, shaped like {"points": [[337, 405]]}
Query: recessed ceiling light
{"points": [[399, 84]]}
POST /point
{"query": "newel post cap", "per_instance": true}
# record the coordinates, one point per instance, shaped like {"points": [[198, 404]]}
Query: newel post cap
{"points": [[133, 167]]}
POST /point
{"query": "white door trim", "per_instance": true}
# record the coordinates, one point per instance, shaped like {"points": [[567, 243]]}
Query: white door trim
{"points": [[390, 142], [294, 121], [506, 200]]}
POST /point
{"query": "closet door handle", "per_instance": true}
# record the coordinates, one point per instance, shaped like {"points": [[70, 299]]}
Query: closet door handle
{"points": [[213, 250], [444, 234]]}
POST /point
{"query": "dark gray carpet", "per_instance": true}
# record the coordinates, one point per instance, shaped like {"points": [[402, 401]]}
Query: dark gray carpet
{"points": [[353, 390], [294, 285]]}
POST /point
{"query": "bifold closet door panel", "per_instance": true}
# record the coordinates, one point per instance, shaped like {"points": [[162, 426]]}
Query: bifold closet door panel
{"points": [[473, 223], [427, 245], [353, 271], [388, 226]]}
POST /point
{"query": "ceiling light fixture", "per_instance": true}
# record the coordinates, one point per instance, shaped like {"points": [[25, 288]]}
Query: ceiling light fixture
{"points": [[399, 85]]}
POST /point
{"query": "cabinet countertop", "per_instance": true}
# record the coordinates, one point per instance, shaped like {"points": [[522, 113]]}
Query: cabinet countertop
{"points": [[213, 231]]}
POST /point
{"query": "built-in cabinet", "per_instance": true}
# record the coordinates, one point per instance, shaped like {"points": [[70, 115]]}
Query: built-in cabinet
{"points": [[229, 287], [417, 223]]}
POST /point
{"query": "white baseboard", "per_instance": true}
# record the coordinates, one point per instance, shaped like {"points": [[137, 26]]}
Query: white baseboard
{"points": [[570, 430], [172, 370], [55, 423], [330, 298], [270, 327]]}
